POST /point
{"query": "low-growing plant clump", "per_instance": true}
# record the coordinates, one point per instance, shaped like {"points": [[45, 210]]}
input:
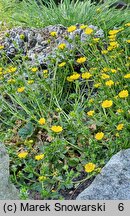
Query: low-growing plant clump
{"points": [[61, 124]]}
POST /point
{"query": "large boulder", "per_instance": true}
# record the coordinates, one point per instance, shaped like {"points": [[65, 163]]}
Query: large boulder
{"points": [[7, 190], [113, 183], [38, 45]]}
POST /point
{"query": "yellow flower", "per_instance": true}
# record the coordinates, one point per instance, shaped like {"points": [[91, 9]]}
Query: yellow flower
{"points": [[88, 31], [106, 103], [113, 32], [11, 69], [91, 100], [30, 81], [34, 69], [73, 77], [120, 127], [97, 85], [1, 69], [109, 83], [11, 81], [45, 71], [110, 48], [99, 135], [104, 51], [96, 39], [81, 60], [42, 121], [62, 64], [90, 113], [127, 24], [71, 28], [21, 89], [114, 44], [39, 157], [105, 69], [53, 33], [120, 110], [117, 134], [83, 26], [22, 154], [42, 178], [89, 167], [113, 70], [127, 76], [62, 46], [123, 94], [112, 37], [128, 41], [22, 36], [105, 76], [86, 75], [56, 129], [1, 47]]}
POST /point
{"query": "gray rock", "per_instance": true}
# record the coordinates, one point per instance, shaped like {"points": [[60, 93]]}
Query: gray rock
{"points": [[93, 27], [11, 51], [34, 42], [113, 183], [76, 32], [7, 190], [99, 33]]}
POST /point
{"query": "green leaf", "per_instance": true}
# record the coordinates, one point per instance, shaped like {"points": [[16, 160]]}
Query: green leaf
{"points": [[73, 161], [30, 175], [26, 131]]}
